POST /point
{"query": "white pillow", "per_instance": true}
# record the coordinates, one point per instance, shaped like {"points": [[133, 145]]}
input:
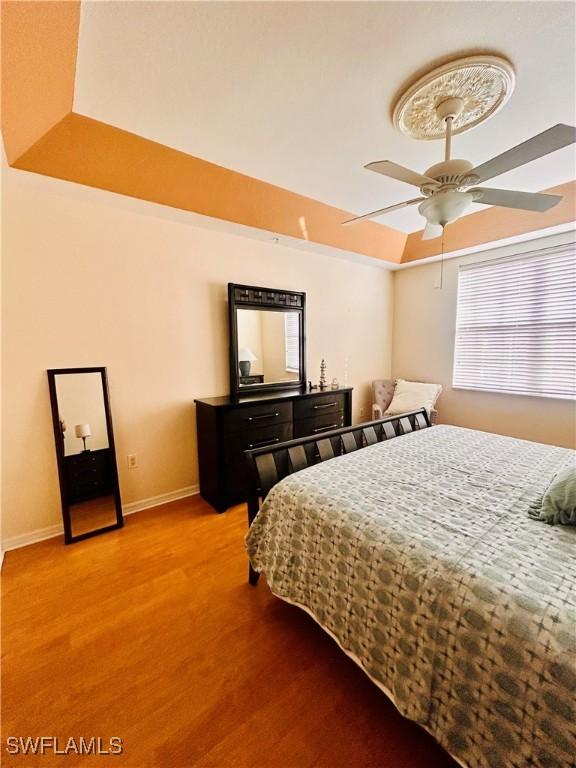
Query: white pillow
{"points": [[411, 395]]}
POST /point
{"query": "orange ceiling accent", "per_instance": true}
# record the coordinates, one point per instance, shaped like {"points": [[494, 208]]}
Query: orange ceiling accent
{"points": [[90, 152], [39, 48], [43, 135], [494, 224]]}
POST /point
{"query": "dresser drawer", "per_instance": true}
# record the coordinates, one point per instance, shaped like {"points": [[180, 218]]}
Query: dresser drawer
{"points": [[227, 427], [239, 442], [87, 474], [88, 466], [87, 478], [88, 458], [318, 424], [87, 489], [257, 416], [318, 405]]}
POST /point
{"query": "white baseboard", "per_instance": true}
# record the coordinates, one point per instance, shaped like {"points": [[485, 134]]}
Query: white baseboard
{"points": [[163, 498], [22, 540]]}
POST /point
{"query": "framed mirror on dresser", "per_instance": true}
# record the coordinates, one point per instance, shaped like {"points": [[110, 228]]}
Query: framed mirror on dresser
{"points": [[269, 402], [267, 339], [85, 452]]}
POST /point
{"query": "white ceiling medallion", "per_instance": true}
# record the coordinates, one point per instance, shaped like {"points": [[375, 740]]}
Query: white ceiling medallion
{"points": [[483, 83]]}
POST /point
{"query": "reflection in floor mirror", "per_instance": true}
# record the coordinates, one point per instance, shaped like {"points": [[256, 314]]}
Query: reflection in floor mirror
{"points": [[85, 452]]}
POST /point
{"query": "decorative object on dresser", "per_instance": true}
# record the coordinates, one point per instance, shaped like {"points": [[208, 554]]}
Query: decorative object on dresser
{"points": [[267, 339], [322, 382], [229, 426], [89, 489]]}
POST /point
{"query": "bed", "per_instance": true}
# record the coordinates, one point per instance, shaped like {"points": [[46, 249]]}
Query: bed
{"points": [[418, 555]]}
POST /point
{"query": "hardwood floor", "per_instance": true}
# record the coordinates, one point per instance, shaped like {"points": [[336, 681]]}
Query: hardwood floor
{"points": [[152, 634]]}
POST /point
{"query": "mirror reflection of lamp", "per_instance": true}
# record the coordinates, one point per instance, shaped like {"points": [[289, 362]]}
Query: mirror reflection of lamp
{"points": [[245, 358], [83, 431]]}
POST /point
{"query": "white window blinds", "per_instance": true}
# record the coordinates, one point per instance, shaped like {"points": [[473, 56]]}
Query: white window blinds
{"points": [[292, 340], [516, 324]]}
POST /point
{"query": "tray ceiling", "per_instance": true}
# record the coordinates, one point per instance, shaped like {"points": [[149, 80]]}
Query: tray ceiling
{"points": [[299, 94]]}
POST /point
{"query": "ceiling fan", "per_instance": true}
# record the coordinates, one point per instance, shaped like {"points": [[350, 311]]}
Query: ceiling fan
{"points": [[448, 189]]}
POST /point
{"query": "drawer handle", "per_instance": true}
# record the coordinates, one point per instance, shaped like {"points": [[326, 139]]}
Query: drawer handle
{"points": [[263, 416], [264, 442], [325, 429], [325, 405]]}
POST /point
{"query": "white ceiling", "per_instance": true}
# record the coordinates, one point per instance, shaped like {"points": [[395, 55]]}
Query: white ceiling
{"points": [[299, 93]]}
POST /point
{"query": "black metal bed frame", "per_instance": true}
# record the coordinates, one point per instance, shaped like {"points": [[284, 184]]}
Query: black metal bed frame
{"points": [[270, 464]]}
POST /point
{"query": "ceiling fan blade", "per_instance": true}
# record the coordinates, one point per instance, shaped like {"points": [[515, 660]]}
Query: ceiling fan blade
{"points": [[548, 141], [398, 172], [389, 209], [431, 231], [508, 198]]}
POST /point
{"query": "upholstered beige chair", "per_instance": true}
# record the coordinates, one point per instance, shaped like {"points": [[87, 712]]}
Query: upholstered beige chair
{"points": [[382, 394]]}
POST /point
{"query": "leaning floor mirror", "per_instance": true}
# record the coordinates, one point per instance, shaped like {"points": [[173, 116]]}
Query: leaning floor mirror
{"points": [[85, 453]]}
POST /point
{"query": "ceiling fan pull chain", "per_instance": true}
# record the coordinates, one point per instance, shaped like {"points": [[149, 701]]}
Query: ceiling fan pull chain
{"points": [[442, 258]]}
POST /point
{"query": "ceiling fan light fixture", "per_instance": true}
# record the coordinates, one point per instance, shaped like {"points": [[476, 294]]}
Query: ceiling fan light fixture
{"points": [[446, 206]]}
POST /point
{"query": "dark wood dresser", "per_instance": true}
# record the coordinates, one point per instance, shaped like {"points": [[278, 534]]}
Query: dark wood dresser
{"points": [[227, 427], [88, 475]]}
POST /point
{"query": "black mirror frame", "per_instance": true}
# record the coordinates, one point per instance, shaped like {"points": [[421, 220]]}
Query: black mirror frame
{"points": [[69, 538], [255, 297]]}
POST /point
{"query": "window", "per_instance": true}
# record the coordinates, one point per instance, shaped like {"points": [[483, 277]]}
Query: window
{"points": [[516, 324], [292, 341]]}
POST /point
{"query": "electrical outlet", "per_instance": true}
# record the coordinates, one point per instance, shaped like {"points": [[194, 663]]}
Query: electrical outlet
{"points": [[362, 412], [132, 461]]}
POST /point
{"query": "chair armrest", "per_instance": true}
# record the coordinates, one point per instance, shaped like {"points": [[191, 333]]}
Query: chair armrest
{"points": [[376, 412]]}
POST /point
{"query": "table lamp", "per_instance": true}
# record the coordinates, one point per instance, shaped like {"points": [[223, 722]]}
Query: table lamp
{"points": [[245, 358], [83, 431]]}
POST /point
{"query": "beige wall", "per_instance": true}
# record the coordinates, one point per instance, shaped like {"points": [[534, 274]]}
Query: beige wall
{"points": [[249, 332], [274, 347], [89, 282], [423, 345]]}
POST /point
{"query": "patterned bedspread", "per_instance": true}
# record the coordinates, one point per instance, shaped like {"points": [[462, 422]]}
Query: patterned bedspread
{"points": [[419, 556]]}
